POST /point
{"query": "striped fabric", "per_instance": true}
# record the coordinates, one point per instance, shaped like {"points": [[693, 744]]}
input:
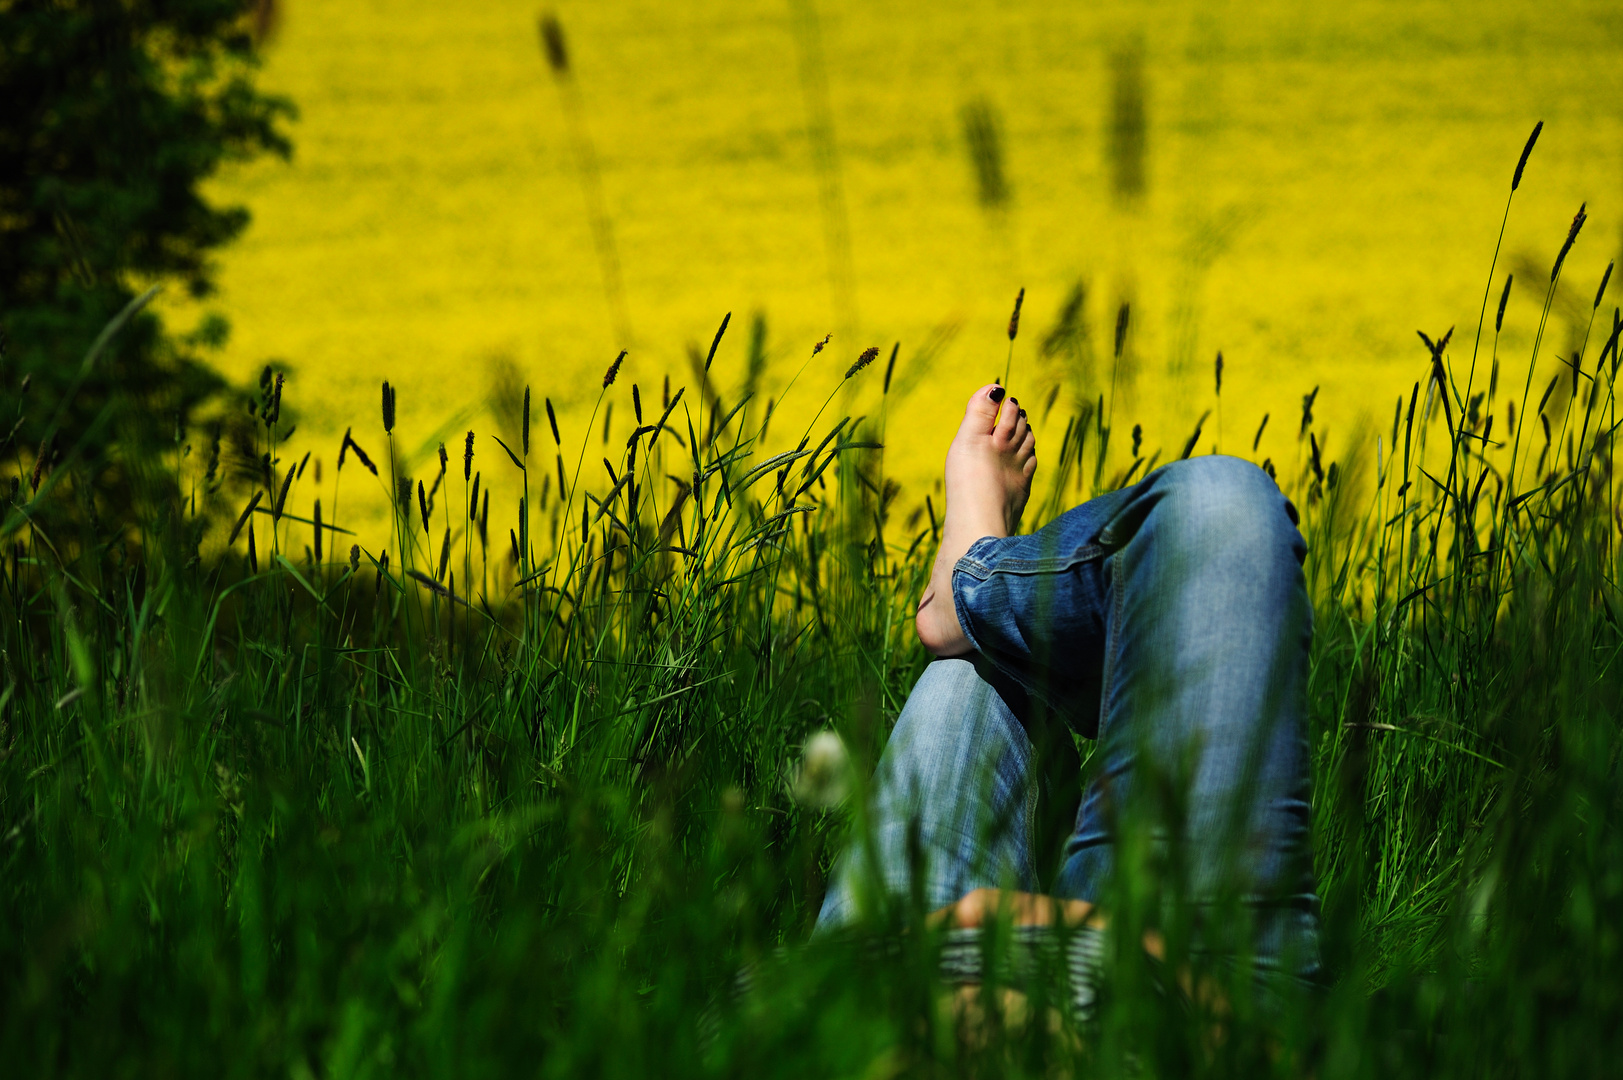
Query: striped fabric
{"points": [[1072, 958]]}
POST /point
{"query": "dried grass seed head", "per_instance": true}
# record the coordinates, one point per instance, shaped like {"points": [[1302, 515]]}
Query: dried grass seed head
{"points": [[1504, 298], [863, 361], [614, 370], [1014, 319]]}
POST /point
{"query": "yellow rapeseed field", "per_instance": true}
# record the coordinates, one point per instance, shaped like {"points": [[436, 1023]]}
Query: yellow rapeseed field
{"points": [[1299, 185]]}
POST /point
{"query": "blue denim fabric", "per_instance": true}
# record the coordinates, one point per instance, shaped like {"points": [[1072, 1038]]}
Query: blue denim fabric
{"points": [[1170, 621]]}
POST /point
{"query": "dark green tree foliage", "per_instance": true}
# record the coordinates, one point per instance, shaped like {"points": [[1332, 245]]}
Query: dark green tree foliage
{"points": [[112, 112]]}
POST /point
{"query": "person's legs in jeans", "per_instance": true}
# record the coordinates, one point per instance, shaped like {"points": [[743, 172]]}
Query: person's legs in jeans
{"points": [[1171, 619], [953, 796], [1174, 615]]}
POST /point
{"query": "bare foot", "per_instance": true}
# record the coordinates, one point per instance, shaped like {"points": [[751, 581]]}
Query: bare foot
{"points": [[988, 477], [1024, 909]]}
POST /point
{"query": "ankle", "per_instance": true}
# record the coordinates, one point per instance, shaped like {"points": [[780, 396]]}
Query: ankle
{"points": [[937, 625]]}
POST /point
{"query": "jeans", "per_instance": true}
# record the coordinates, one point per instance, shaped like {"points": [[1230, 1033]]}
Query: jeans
{"points": [[1168, 620]]}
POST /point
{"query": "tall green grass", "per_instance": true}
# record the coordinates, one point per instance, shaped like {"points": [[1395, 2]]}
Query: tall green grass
{"points": [[515, 794]]}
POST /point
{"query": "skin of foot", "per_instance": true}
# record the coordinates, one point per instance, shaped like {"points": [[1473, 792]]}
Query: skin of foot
{"points": [[988, 479], [979, 906], [969, 1005]]}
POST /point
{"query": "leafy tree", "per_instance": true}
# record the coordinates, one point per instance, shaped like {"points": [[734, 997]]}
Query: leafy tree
{"points": [[112, 113]]}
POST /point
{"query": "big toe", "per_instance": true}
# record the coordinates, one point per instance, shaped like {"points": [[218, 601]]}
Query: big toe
{"points": [[981, 412]]}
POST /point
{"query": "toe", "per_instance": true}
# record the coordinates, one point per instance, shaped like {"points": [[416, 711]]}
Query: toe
{"points": [[1022, 428], [982, 410], [1006, 421]]}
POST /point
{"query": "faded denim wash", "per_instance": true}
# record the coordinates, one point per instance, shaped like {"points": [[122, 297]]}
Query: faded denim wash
{"points": [[1170, 621]]}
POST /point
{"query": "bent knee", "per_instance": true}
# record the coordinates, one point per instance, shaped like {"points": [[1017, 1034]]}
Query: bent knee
{"points": [[952, 715], [1219, 504]]}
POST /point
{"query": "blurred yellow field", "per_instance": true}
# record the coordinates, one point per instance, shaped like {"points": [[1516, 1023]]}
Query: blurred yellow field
{"points": [[1318, 182]]}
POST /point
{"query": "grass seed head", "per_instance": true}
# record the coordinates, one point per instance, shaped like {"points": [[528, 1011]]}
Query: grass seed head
{"points": [[1219, 372], [1515, 181], [553, 45], [1123, 313], [422, 503], [360, 455], [467, 457], [247, 512], [1604, 280], [524, 430], [388, 407], [1504, 298], [983, 139], [281, 497], [636, 403], [821, 345], [614, 369], [1578, 220], [42, 461], [354, 558], [715, 342], [552, 419], [1014, 319], [863, 361]]}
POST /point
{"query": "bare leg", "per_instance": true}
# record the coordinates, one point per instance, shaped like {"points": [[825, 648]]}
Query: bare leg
{"points": [[988, 478]]}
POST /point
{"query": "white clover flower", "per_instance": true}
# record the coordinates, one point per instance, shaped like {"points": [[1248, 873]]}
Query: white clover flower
{"points": [[823, 779]]}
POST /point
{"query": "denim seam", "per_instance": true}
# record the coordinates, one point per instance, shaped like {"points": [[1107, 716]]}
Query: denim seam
{"points": [[981, 571], [963, 619], [1009, 671], [1112, 642]]}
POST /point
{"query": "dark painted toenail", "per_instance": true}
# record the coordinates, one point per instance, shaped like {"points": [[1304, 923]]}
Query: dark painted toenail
{"points": [[1022, 413], [996, 393]]}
